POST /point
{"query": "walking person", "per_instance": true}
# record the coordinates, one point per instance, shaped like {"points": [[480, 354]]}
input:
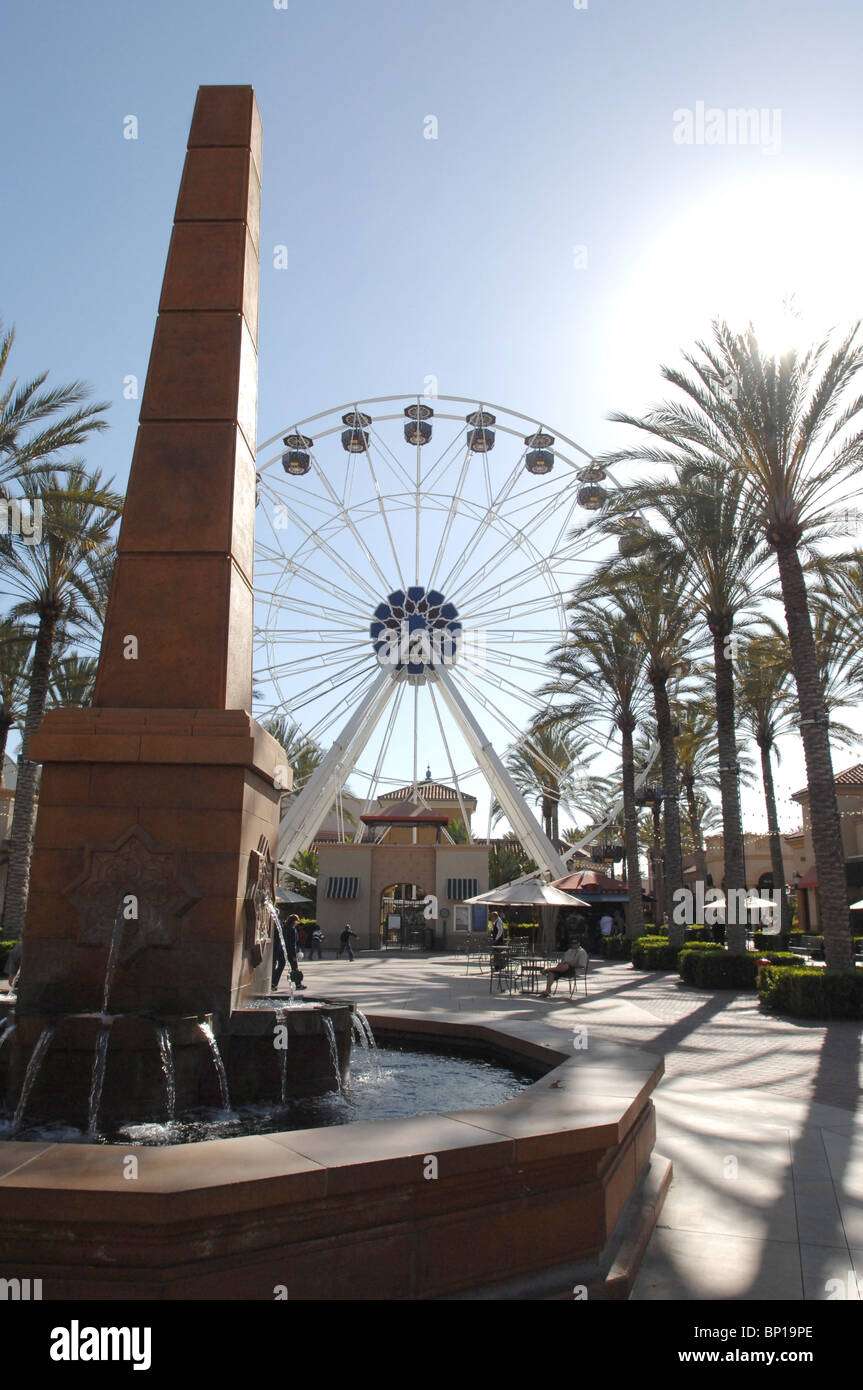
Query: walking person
{"points": [[292, 947], [498, 941], [345, 942], [316, 942]]}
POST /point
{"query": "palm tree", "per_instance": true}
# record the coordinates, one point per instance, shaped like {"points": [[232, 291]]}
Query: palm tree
{"points": [[698, 760], [714, 526], [25, 450], [783, 425], [15, 644], [656, 606], [53, 581], [600, 672], [545, 767], [304, 754], [72, 679], [768, 710]]}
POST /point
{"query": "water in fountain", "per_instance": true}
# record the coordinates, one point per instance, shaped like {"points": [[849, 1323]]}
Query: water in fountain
{"points": [[97, 1078], [366, 1032], [8, 1030], [113, 954], [166, 1051], [217, 1063], [282, 1020], [31, 1073], [334, 1051]]}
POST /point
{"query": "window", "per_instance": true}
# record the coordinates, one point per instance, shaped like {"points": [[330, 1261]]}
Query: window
{"points": [[461, 917]]}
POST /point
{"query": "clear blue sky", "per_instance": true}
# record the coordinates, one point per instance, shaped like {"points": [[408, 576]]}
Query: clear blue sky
{"points": [[455, 256]]}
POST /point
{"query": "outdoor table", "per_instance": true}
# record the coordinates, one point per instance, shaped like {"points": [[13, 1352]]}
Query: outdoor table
{"points": [[532, 969]]}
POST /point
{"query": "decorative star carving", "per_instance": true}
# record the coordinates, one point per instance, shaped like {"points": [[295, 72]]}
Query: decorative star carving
{"points": [[137, 878]]}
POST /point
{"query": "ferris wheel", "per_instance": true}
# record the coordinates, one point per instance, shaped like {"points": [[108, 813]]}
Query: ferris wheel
{"points": [[414, 556]]}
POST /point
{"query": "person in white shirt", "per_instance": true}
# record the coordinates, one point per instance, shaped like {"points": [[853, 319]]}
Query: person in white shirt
{"points": [[606, 923], [572, 960]]}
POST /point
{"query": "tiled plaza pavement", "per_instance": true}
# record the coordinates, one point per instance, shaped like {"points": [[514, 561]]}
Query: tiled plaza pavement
{"points": [[760, 1115]]}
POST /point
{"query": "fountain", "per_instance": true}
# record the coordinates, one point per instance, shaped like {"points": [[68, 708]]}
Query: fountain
{"points": [[166, 918]]}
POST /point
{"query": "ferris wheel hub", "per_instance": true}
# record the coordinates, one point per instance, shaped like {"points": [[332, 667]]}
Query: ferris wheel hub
{"points": [[415, 631]]}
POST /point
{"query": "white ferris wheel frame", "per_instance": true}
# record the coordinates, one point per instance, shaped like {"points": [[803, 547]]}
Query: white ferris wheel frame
{"points": [[305, 814]]}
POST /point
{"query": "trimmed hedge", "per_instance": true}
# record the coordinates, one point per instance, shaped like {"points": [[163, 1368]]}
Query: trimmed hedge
{"points": [[806, 992], [653, 953], [765, 941], [712, 967], [615, 947]]}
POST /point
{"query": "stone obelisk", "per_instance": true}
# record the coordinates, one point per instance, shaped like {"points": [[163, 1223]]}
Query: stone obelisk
{"points": [[159, 806]]}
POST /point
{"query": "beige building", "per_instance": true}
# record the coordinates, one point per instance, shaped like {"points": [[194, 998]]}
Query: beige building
{"points": [[378, 882], [796, 857], [849, 794]]}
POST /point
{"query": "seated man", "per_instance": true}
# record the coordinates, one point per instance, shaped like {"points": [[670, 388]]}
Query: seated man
{"points": [[572, 960]]}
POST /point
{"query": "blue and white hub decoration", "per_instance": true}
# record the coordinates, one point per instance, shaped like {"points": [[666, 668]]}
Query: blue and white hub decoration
{"points": [[416, 631]]}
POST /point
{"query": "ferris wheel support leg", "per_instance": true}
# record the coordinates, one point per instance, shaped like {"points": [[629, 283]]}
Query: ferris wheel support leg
{"points": [[514, 806], [304, 816]]}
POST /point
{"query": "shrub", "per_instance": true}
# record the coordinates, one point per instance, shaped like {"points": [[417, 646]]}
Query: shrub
{"points": [[653, 953], [6, 945], [806, 992], [615, 947], [712, 967], [779, 957], [700, 934], [766, 941]]}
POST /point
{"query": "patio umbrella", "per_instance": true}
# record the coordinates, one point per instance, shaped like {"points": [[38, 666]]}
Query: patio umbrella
{"points": [[284, 895], [860, 904], [529, 894]]}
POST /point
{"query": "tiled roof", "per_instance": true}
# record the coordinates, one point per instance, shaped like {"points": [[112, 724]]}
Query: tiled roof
{"points": [[408, 811], [429, 791], [849, 777]]}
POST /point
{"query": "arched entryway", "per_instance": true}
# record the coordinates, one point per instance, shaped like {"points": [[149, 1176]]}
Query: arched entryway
{"points": [[402, 924]]}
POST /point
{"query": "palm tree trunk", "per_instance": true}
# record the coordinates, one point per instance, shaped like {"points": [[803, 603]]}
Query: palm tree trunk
{"points": [[776, 862], [673, 872], [729, 786], [695, 824], [827, 843], [6, 722], [24, 814], [658, 875], [635, 905]]}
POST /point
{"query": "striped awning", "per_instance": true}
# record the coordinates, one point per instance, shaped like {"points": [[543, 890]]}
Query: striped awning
{"points": [[460, 888], [344, 887]]}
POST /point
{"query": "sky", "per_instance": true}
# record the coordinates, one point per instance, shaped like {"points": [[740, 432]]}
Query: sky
{"points": [[587, 201]]}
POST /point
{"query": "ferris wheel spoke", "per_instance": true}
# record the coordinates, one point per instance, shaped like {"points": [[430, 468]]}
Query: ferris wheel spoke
{"points": [[453, 774], [518, 539], [450, 519], [524, 697], [348, 521], [326, 687], [305, 608], [385, 520], [310, 576], [515, 661], [486, 521], [444, 462], [338, 560], [301, 665]]}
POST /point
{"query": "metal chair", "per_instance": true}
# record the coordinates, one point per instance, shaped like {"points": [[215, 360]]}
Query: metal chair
{"points": [[572, 980]]}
